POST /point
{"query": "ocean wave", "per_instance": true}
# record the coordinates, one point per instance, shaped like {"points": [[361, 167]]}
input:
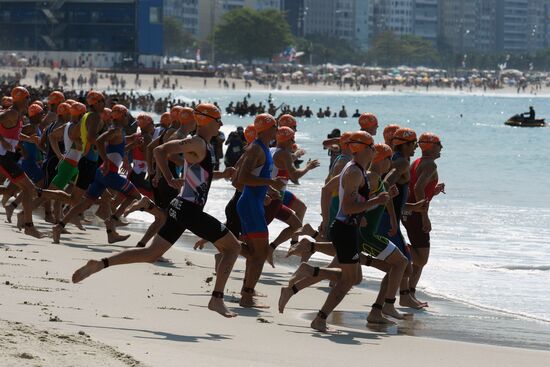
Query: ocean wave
{"points": [[525, 267]]}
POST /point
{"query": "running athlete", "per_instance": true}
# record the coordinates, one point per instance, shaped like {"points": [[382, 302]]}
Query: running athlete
{"points": [[111, 146], [67, 169], [54, 99], [186, 211], [285, 170], [164, 193], [354, 201], [91, 127], [423, 185], [289, 200], [11, 124], [139, 148], [404, 144], [255, 175], [30, 156]]}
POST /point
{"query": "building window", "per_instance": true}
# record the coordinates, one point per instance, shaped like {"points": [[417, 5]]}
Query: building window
{"points": [[154, 15]]}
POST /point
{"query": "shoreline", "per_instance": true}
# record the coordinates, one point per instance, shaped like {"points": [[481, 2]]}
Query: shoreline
{"points": [[197, 83], [157, 313]]}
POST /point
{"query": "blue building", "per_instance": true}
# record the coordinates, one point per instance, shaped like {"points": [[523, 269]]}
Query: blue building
{"points": [[132, 27]]}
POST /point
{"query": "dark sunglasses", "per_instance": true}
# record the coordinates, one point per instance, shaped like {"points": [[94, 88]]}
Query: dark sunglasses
{"points": [[429, 142], [363, 143], [218, 120]]}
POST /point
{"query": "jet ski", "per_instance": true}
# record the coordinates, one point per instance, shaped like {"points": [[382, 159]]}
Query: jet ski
{"points": [[520, 121]]}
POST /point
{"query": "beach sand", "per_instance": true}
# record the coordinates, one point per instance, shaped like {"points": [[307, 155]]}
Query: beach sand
{"points": [[197, 83], [156, 315]]}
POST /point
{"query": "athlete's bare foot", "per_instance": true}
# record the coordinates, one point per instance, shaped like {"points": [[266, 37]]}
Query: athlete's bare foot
{"points": [[389, 310], [199, 245], [91, 267], [77, 224], [286, 294], [217, 305], [248, 301], [140, 204], [9, 212], [114, 237], [320, 324], [422, 304], [376, 317], [301, 248], [56, 233], [303, 271], [269, 259], [32, 231], [406, 300]]}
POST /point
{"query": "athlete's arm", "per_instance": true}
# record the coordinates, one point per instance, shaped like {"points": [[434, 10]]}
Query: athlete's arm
{"points": [[55, 137], [149, 154], [190, 147], [294, 173], [351, 182], [92, 124], [101, 140], [428, 171], [250, 162], [326, 196], [401, 167]]}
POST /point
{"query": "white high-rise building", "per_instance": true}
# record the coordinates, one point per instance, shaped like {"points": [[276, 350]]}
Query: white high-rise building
{"points": [[187, 11], [344, 19]]}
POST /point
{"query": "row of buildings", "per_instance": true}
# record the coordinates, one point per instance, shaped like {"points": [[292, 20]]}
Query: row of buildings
{"points": [[457, 25], [125, 30]]}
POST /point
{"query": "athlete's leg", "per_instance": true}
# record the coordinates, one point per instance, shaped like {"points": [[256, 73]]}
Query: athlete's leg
{"points": [[350, 274]]}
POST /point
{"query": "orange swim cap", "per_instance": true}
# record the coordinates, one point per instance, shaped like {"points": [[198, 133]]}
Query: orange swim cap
{"points": [[264, 121], [367, 120], [63, 109], [78, 109], [186, 116], [106, 115], [7, 101], [19, 94], [118, 112], [389, 131], [287, 120], [383, 151], [70, 101], [344, 139], [165, 119], [94, 97], [56, 97], [250, 134], [284, 133], [426, 141], [207, 112], [40, 103], [144, 120], [175, 112], [403, 135], [359, 141], [35, 109]]}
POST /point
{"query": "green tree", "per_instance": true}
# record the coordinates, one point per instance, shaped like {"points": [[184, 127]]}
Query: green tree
{"points": [[247, 34], [389, 49], [176, 39]]}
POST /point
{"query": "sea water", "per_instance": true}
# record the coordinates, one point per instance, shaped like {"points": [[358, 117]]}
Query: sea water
{"points": [[490, 242]]}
